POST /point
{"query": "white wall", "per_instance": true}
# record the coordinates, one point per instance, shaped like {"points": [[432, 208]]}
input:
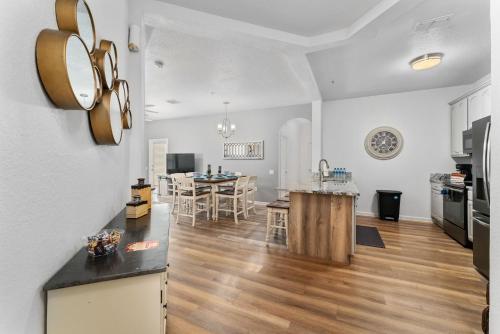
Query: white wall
{"points": [[56, 184], [199, 135], [423, 119], [495, 167]]}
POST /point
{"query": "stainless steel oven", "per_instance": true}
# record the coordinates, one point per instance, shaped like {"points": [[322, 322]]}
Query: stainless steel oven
{"points": [[455, 213]]}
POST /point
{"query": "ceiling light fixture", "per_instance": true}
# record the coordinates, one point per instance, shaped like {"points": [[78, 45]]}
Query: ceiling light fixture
{"points": [[426, 61], [226, 129]]}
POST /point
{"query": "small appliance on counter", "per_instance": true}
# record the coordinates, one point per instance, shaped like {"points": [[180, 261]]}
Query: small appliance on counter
{"points": [[455, 215], [481, 162]]}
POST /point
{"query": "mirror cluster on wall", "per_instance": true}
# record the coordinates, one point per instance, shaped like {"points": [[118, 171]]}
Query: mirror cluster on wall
{"points": [[78, 73]]}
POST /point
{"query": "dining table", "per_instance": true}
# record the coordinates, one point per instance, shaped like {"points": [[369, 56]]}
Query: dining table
{"points": [[214, 181]]}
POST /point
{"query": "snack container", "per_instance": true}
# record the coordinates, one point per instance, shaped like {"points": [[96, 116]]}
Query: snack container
{"points": [[103, 243]]}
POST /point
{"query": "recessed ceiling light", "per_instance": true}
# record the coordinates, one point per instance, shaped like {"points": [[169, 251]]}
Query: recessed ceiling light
{"points": [[427, 61], [148, 120], [150, 105], [173, 101], [159, 63]]}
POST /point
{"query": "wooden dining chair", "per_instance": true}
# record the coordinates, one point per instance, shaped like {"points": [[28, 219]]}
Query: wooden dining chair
{"points": [[234, 197], [251, 191], [189, 200]]}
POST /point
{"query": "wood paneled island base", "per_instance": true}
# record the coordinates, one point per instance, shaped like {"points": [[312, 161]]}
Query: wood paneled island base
{"points": [[323, 226]]}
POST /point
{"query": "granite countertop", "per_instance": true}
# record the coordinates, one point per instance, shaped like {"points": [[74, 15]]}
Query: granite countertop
{"points": [[338, 188], [84, 269]]}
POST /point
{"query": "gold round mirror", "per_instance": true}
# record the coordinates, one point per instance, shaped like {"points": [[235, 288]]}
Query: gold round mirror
{"points": [[106, 119], [98, 85], [121, 87], [75, 16], [127, 117], [66, 70], [111, 48], [104, 63]]}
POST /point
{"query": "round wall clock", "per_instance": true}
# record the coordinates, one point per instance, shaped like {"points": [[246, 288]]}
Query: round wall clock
{"points": [[384, 143]]}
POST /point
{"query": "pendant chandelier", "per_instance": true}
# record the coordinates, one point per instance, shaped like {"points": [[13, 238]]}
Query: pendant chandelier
{"points": [[226, 129]]}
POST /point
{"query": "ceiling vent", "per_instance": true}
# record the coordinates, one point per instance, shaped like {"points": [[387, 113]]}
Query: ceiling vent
{"points": [[440, 22]]}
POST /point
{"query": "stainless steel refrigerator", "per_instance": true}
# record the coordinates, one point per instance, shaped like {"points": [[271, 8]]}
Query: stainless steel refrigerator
{"points": [[481, 167]]}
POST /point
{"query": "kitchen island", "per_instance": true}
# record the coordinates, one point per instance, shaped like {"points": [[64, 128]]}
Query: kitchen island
{"points": [[124, 292], [323, 220]]}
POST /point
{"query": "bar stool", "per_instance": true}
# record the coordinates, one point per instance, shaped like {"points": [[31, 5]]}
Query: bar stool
{"points": [[277, 218]]}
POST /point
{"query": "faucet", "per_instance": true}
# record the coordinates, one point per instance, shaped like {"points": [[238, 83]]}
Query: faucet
{"points": [[321, 170]]}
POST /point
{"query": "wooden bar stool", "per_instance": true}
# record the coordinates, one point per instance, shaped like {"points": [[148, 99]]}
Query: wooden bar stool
{"points": [[277, 218]]}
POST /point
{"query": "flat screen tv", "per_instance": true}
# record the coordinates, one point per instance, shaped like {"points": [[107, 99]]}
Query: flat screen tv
{"points": [[180, 163]]}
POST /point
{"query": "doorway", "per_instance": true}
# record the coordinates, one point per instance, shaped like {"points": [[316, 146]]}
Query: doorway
{"points": [[158, 149], [295, 152]]}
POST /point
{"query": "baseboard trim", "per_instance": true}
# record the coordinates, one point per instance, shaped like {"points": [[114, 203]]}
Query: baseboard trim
{"points": [[401, 217]]}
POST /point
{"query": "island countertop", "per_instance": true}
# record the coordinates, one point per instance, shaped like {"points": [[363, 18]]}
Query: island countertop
{"points": [[345, 188], [83, 269]]}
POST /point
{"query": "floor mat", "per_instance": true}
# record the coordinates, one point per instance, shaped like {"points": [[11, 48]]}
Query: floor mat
{"points": [[368, 236]]}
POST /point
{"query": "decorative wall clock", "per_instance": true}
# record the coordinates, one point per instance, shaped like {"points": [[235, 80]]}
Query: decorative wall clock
{"points": [[384, 143]]}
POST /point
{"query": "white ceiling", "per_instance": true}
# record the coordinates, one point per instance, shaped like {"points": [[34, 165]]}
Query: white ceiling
{"points": [[201, 73], [301, 17], [242, 58], [377, 62]]}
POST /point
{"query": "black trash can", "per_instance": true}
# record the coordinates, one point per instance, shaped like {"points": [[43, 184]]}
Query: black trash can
{"points": [[389, 202]]}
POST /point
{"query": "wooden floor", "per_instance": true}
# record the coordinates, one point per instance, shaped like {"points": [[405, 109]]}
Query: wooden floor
{"points": [[224, 279]]}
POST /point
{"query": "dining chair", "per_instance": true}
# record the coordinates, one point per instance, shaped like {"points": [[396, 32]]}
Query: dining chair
{"points": [[189, 200], [176, 177], [235, 196], [251, 191]]}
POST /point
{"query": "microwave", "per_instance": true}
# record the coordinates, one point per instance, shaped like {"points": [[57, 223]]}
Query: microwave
{"points": [[467, 141]]}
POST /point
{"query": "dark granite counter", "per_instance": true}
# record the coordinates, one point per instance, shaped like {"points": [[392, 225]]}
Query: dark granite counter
{"points": [[345, 188], [83, 269]]}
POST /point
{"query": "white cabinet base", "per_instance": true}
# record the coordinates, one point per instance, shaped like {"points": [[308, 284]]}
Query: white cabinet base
{"points": [[126, 306]]}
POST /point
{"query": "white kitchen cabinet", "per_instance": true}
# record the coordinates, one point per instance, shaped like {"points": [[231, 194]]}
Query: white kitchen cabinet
{"points": [[479, 105], [458, 125], [437, 203], [127, 306]]}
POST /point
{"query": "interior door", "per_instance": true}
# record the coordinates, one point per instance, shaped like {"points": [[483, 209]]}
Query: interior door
{"points": [[158, 149]]}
